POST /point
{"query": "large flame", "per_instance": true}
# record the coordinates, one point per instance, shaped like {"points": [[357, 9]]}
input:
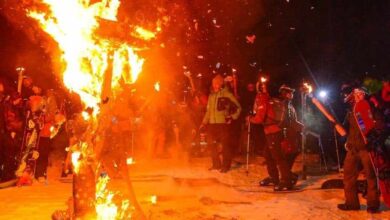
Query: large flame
{"points": [[72, 24], [105, 208], [89, 59]]}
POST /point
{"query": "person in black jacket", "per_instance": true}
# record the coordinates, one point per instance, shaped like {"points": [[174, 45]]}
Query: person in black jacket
{"points": [[276, 114]]}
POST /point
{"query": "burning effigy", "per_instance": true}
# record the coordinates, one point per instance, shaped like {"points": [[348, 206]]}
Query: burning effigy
{"points": [[95, 64], [147, 92]]}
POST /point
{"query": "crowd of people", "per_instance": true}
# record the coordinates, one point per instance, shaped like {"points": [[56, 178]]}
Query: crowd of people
{"points": [[27, 123], [276, 115], [216, 123], [367, 144]]}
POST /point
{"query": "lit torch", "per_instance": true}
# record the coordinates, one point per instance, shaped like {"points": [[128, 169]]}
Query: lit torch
{"points": [[20, 78], [307, 88], [20, 69], [261, 84]]}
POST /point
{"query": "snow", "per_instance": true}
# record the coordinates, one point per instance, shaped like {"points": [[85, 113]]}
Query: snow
{"points": [[38, 201], [185, 189]]}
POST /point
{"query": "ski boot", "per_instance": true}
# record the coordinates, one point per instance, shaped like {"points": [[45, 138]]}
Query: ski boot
{"points": [[268, 181], [294, 178], [283, 186]]}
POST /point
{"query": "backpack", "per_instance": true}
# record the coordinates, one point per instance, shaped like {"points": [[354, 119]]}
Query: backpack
{"points": [[276, 111]]}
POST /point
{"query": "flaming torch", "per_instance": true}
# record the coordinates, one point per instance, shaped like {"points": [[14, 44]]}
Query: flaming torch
{"points": [[308, 89], [305, 90]]}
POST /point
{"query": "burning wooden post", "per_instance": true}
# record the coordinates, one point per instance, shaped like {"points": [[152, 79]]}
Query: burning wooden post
{"points": [[84, 191], [86, 157]]}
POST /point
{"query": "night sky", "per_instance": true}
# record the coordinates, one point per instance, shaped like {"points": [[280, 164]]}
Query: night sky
{"points": [[333, 41]]}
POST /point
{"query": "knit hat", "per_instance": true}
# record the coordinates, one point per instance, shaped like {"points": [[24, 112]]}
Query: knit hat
{"points": [[286, 88]]}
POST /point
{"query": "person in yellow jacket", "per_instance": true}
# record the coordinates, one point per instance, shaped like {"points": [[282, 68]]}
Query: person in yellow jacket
{"points": [[222, 108]]}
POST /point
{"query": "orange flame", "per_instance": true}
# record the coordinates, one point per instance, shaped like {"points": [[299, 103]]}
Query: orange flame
{"points": [[86, 56], [78, 150], [144, 34], [75, 161], [105, 208]]}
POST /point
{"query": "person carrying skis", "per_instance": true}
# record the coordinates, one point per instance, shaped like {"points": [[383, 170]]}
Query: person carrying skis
{"points": [[360, 117]]}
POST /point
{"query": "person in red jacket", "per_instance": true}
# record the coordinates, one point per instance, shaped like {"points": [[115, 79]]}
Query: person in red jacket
{"points": [[360, 121], [272, 113]]}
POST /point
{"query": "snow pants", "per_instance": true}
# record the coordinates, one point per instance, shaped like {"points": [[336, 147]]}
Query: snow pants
{"points": [[354, 161]]}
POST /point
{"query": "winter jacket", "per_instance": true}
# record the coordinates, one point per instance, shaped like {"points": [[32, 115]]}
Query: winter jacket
{"points": [[361, 122], [275, 114], [221, 116]]}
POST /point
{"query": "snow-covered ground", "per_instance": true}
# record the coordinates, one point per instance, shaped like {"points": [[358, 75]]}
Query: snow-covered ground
{"points": [[185, 189]]}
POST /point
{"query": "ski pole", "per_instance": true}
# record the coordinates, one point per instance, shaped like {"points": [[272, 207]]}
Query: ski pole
{"points": [[337, 150], [247, 148], [303, 100]]}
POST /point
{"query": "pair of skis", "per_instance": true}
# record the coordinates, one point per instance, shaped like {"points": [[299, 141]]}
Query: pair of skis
{"points": [[29, 151]]}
